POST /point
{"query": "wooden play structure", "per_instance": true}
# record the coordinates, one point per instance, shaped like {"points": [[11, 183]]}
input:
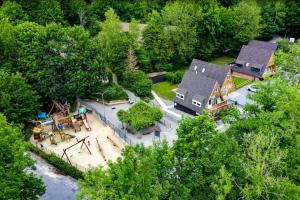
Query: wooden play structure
{"points": [[47, 119], [64, 109], [38, 130], [80, 141]]}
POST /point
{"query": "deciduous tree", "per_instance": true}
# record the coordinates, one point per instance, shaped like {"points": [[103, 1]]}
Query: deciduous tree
{"points": [[17, 179], [141, 174], [17, 99], [114, 43]]}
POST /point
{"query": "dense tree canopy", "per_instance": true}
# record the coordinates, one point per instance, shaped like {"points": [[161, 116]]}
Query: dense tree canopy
{"points": [[18, 102], [288, 60], [14, 12], [17, 182], [140, 175]]}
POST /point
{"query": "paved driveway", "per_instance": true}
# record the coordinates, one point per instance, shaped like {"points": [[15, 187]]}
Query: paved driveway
{"points": [[240, 96]]}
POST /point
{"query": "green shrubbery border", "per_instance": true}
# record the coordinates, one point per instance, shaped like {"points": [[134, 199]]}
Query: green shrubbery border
{"points": [[60, 164]]}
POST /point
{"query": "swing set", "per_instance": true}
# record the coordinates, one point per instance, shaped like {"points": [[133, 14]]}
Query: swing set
{"points": [[80, 141]]}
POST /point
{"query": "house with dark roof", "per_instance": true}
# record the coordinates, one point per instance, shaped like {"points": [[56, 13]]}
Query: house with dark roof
{"points": [[204, 86], [255, 60]]}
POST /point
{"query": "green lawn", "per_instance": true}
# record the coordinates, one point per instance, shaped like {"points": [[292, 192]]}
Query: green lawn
{"points": [[240, 82], [223, 60], [164, 90]]}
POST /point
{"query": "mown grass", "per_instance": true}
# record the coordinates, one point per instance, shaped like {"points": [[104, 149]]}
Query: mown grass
{"points": [[164, 90], [223, 60], [240, 82]]}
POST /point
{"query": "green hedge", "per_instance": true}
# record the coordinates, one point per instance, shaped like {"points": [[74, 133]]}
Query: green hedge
{"points": [[175, 77], [57, 162]]}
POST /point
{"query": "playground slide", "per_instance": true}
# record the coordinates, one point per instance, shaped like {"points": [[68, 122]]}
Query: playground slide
{"points": [[76, 127], [86, 125]]}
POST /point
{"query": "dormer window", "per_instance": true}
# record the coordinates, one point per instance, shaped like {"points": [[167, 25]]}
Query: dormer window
{"points": [[196, 103], [180, 96], [247, 64]]}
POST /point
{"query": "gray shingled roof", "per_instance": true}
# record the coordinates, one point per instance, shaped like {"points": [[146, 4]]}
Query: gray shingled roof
{"points": [[181, 91], [255, 56], [211, 70], [198, 84], [264, 45]]}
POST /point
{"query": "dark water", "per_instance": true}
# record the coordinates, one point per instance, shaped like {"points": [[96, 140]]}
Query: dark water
{"points": [[58, 186]]}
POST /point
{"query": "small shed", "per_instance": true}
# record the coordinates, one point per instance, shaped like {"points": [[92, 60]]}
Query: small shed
{"points": [[157, 77]]}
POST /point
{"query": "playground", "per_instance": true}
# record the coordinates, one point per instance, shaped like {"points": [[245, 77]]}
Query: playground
{"points": [[81, 138]]}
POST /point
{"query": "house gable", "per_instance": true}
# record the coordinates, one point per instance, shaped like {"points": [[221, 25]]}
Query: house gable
{"points": [[228, 85]]}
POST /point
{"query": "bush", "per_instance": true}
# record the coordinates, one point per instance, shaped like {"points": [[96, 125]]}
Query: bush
{"points": [[138, 83], [57, 162], [141, 115], [283, 44], [174, 77], [115, 92]]}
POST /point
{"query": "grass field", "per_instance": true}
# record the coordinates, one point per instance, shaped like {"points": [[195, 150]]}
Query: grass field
{"points": [[164, 90], [223, 60], [240, 82]]}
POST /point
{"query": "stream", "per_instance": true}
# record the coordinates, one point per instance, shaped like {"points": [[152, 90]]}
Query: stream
{"points": [[58, 186]]}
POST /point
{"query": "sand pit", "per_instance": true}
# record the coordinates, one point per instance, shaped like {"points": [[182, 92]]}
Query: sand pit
{"points": [[110, 144]]}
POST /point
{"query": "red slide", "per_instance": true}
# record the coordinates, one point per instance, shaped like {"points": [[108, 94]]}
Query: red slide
{"points": [[88, 128]]}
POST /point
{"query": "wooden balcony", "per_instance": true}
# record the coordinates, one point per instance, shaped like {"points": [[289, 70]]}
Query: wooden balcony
{"points": [[217, 108]]}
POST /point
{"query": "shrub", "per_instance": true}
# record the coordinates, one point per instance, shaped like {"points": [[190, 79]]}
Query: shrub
{"points": [[57, 162], [140, 115], [283, 44], [174, 77], [138, 83], [115, 92]]}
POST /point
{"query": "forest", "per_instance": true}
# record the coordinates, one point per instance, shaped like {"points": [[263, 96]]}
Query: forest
{"points": [[68, 49]]}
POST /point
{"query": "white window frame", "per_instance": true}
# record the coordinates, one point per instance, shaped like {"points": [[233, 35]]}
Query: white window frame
{"points": [[196, 103], [180, 96]]}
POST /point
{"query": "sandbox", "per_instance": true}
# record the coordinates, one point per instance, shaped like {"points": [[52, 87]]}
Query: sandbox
{"points": [[102, 142]]}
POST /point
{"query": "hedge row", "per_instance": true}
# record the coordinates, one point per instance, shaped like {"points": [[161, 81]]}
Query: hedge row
{"points": [[60, 164], [175, 77]]}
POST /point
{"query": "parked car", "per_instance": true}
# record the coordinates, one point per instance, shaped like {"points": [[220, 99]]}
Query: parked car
{"points": [[131, 101], [252, 88]]}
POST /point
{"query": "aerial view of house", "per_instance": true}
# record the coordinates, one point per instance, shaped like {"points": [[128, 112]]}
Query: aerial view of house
{"points": [[204, 86], [255, 60]]}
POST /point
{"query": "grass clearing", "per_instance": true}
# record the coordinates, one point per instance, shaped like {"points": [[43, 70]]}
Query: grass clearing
{"points": [[223, 60], [240, 82], [164, 90]]}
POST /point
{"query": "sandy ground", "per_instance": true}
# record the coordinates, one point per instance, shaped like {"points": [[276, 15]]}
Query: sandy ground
{"points": [[80, 157]]}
